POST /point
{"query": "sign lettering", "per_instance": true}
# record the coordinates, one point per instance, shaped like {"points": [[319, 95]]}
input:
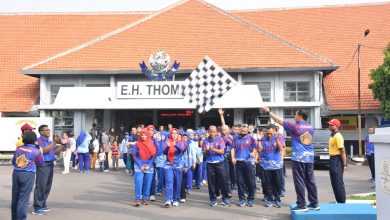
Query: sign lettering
{"points": [[149, 90]]}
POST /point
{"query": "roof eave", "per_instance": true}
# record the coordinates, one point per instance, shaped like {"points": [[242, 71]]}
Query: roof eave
{"points": [[37, 73]]}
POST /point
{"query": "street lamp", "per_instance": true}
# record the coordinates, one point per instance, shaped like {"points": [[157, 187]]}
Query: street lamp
{"points": [[359, 101]]}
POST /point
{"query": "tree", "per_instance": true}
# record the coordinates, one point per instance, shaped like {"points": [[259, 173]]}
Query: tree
{"points": [[381, 83]]}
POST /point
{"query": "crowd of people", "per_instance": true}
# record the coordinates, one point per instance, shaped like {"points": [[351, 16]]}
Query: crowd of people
{"points": [[171, 162]]}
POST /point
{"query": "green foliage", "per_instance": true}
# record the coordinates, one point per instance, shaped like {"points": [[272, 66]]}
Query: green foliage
{"points": [[381, 83]]}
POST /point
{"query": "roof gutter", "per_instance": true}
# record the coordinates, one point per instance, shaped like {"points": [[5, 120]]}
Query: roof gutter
{"points": [[37, 73]]}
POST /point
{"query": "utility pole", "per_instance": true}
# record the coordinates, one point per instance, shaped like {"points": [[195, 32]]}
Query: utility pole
{"points": [[359, 99], [359, 106]]}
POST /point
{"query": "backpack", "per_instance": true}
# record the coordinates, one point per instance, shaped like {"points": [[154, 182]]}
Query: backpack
{"points": [[90, 146]]}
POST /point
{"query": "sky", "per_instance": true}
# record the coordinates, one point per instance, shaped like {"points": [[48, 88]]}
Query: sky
{"points": [[42, 6]]}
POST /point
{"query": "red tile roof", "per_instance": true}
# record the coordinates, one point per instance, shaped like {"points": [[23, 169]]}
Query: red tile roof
{"points": [[25, 39], [187, 31], [331, 32], [335, 32]]}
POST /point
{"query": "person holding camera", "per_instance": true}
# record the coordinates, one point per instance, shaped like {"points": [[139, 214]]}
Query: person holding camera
{"points": [[44, 176]]}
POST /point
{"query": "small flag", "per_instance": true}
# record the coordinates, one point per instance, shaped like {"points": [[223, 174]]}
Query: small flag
{"points": [[207, 83]]}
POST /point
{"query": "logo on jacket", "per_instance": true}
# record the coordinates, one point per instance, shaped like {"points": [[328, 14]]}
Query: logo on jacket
{"points": [[21, 161], [159, 64]]}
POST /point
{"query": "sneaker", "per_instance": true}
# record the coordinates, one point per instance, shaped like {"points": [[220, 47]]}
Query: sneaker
{"points": [[250, 203], [204, 182], [126, 171], [167, 205], [38, 212], [230, 195], [242, 203], [278, 204], [213, 203], [219, 196], [282, 193], [268, 203], [188, 191], [152, 198], [63, 172], [226, 202], [315, 207], [300, 209], [182, 200], [106, 170], [158, 194], [198, 187], [46, 209], [176, 203]]}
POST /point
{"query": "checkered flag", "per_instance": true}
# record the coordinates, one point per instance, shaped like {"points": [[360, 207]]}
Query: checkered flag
{"points": [[207, 83]]}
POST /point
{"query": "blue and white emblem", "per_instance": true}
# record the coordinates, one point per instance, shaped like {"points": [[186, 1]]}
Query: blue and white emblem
{"points": [[159, 67]]}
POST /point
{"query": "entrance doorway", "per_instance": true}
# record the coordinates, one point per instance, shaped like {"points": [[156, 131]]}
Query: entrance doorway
{"points": [[132, 118]]}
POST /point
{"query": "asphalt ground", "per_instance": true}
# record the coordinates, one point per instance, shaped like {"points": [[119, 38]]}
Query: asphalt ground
{"points": [[110, 196]]}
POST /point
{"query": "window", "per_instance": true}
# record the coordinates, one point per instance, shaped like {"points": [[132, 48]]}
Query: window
{"points": [[63, 121], [296, 91], [264, 88], [54, 89], [98, 85]]}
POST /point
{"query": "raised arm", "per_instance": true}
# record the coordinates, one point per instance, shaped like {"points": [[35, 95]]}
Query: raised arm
{"points": [[221, 112], [273, 116]]}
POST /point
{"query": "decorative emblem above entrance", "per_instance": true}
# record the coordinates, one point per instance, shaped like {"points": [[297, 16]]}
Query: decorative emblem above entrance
{"points": [[159, 67]]}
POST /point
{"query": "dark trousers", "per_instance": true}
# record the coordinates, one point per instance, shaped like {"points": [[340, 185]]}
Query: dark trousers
{"points": [[273, 182], [227, 181], [303, 176], [262, 178], [216, 171], [74, 160], [22, 185], [336, 178], [44, 180], [371, 164], [105, 161], [232, 174], [183, 194], [132, 162], [245, 172], [283, 181], [124, 156]]}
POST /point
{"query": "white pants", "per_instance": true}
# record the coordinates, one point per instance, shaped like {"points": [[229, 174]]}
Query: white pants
{"points": [[67, 155]]}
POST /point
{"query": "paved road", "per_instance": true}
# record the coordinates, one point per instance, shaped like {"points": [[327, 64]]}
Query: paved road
{"points": [[110, 196]]}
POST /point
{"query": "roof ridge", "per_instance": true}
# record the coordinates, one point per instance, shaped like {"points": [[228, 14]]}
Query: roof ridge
{"points": [[105, 36], [267, 33], [309, 7]]}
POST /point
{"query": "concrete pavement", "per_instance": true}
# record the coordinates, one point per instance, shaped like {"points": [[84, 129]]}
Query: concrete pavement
{"points": [[111, 195]]}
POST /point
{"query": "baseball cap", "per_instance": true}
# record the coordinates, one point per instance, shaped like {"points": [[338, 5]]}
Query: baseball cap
{"points": [[335, 122], [26, 126]]}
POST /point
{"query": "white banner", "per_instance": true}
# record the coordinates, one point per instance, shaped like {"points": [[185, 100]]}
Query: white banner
{"points": [[151, 90]]}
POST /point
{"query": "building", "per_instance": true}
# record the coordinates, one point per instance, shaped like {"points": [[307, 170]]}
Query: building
{"points": [[305, 59]]}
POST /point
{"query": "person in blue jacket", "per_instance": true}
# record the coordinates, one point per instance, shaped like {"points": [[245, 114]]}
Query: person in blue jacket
{"points": [[25, 161], [173, 168], [144, 154], [159, 162]]}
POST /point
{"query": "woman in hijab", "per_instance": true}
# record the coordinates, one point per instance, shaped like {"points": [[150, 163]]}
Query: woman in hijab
{"points": [[151, 129], [82, 143], [144, 154], [173, 168]]}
